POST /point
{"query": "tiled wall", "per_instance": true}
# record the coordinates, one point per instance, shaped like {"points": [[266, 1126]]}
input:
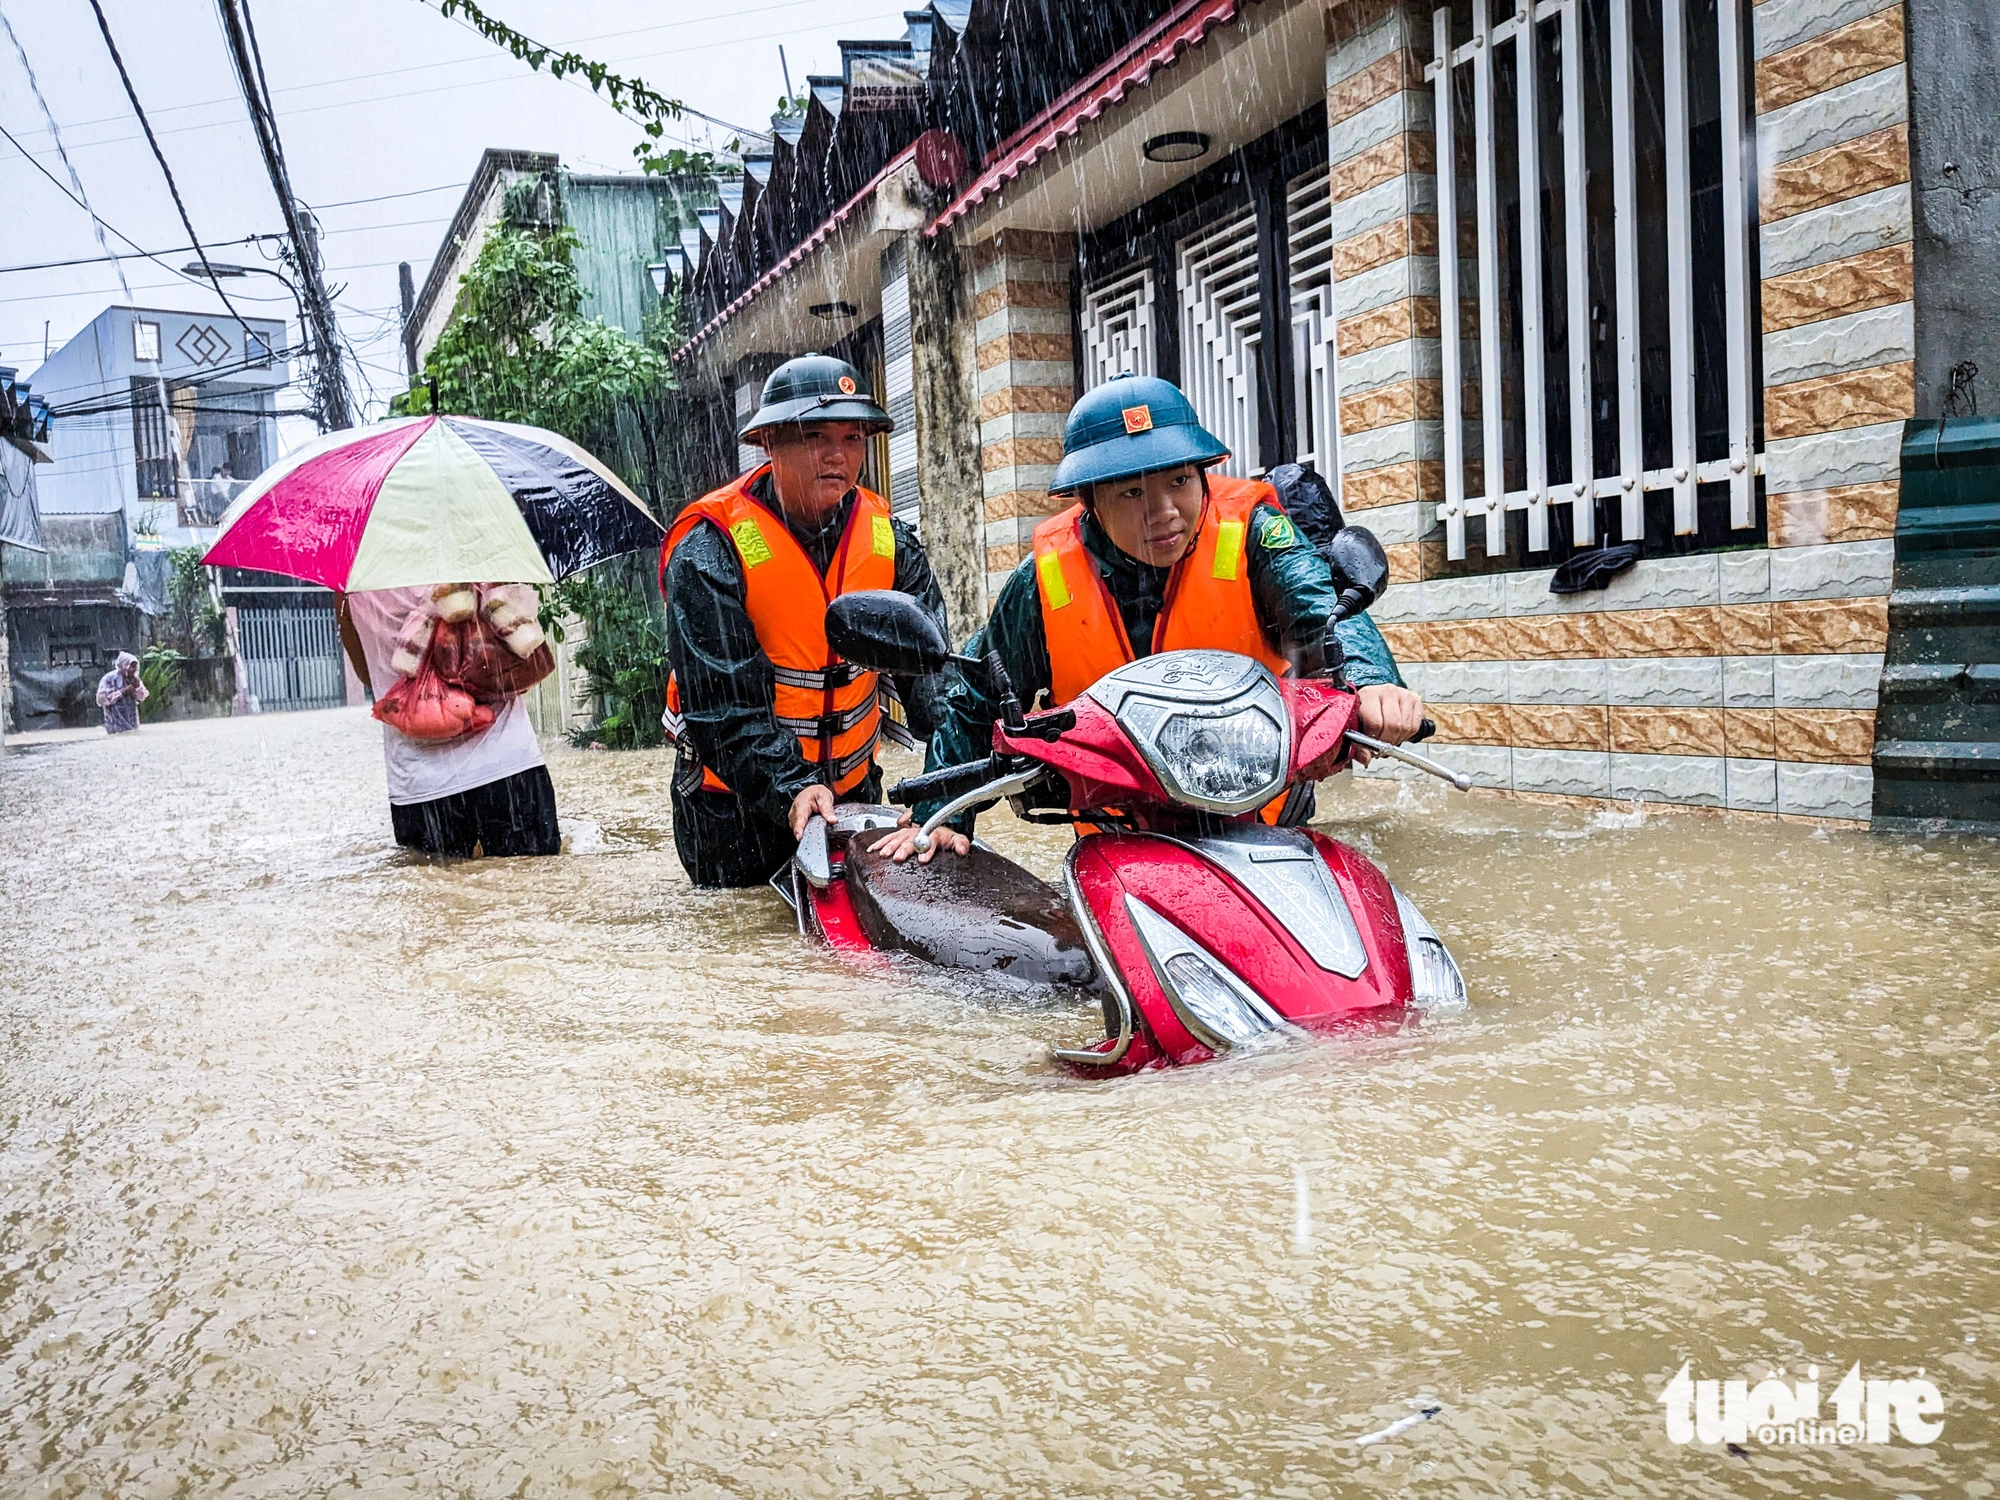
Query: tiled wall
{"points": [[1385, 269], [1023, 387], [1745, 679]]}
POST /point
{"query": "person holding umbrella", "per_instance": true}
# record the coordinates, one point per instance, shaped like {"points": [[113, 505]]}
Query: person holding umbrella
{"points": [[770, 726], [384, 516], [486, 791]]}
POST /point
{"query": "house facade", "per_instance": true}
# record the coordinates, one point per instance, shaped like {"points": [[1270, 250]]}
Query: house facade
{"points": [[1531, 283], [161, 417]]}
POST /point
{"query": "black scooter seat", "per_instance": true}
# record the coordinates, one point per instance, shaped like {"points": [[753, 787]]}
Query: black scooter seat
{"points": [[981, 911]]}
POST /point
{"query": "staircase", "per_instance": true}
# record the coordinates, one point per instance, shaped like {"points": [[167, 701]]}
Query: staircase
{"points": [[1937, 731]]}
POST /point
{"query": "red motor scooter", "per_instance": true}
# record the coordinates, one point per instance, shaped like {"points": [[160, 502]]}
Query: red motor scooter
{"points": [[1208, 928]]}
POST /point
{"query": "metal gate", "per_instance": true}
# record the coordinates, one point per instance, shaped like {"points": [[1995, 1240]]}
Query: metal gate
{"points": [[291, 658]]}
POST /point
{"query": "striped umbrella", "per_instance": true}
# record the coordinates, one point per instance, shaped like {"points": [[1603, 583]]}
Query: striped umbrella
{"points": [[427, 500]]}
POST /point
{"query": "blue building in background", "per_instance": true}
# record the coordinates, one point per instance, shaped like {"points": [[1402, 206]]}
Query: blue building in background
{"points": [[161, 416]]}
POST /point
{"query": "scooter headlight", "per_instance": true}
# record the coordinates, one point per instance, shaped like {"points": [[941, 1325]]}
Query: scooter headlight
{"points": [[1433, 972], [1213, 726], [1223, 759]]}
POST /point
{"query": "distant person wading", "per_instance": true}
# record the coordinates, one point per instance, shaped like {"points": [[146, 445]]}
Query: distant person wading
{"points": [[119, 694]]}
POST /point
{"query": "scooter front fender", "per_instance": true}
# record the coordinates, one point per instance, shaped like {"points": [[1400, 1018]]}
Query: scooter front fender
{"points": [[1340, 971]]}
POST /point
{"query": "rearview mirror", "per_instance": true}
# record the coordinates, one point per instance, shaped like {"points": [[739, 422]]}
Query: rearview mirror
{"points": [[1360, 567], [886, 631]]}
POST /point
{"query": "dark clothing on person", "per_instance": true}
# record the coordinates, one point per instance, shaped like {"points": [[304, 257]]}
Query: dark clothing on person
{"points": [[514, 815], [722, 847], [739, 837], [1291, 587]]}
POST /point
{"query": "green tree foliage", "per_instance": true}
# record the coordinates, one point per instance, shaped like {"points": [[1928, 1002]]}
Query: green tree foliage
{"points": [[628, 96], [160, 671], [193, 624], [625, 658], [518, 348]]}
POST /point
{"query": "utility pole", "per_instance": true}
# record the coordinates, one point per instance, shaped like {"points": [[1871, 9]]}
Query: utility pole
{"points": [[329, 378], [407, 287]]}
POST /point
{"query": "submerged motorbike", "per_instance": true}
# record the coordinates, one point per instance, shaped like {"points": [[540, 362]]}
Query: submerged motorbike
{"points": [[1206, 927]]}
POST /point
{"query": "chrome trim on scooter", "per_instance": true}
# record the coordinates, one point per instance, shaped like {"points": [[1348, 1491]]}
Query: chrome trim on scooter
{"points": [[993, 791], [1101, 956], [1282, 868], [1164, 942], [1410, 758]]}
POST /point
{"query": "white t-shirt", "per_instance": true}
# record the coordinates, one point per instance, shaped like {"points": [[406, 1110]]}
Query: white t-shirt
{"points": [[423, 770]]}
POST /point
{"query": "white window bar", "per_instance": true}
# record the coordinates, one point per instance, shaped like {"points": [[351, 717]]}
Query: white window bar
{"points": [[1680, 267], [1528, 126], [1576, 252], [1452, 511], [1736, 232], [1632, 481], [1220, 334], [1315, 384], [1625, 236], [1491, 417]]}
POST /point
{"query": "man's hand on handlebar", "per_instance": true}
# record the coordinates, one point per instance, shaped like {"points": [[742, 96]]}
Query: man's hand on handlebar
{"points": [[899, 845], [814, 799], [1387, 713]]}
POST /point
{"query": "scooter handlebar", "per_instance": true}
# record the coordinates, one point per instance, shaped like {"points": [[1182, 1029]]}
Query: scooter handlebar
{"points": [[943, 785]]}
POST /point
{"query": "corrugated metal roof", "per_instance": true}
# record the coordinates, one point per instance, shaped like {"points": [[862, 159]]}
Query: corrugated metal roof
{"points": [[1186, 26]]}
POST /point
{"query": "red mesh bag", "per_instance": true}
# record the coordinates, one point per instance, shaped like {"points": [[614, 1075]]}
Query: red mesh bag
{"points": [[427, 706], [474, 656]]}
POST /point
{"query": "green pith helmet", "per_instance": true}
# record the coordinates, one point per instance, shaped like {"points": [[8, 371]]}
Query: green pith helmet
{"points": [[1131, 424], [816, 388]]}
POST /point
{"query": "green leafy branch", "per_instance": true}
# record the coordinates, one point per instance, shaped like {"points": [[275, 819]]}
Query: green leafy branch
{"points": [[626, 95]]}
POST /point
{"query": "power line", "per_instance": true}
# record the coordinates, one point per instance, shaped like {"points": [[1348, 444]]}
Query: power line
{"points": [[487, 56], [98, 260], [160, 156]]}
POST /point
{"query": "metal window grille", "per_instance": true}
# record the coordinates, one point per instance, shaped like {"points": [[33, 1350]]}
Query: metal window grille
{"points": [[899, 381], [1217, 277], [291, 658], [153, 460], [1315, 392], [1595, 345], [1117, 327]]}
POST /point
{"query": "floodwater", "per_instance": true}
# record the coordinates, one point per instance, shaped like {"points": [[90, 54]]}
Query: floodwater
{"points": [[327, 1171]]}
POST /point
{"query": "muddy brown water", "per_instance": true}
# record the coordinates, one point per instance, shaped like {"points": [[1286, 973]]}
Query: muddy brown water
{"points": [[327, 1171]]}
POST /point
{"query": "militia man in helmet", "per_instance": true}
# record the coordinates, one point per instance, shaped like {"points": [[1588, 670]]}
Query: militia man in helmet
{"points": [[1157, 554], [772, 727]]}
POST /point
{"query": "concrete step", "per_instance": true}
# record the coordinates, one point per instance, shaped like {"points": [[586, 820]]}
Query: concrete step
{"points": [[1938, 781], [1966, 604], [1941, 682]]}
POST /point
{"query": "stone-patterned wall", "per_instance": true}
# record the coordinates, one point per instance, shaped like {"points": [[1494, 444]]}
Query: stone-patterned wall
{"points": [[1745, 680], [1024, 386], [1384, 188], [1839, 316]]}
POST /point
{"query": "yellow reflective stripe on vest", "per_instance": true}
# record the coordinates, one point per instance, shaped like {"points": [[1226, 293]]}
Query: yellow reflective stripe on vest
{"points": [[1055, 588], [1228, 550], [884, 536], [749, 539]]}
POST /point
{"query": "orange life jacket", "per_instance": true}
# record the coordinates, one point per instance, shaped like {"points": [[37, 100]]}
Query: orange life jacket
{"points": [[837, 711], [1208, 604]]}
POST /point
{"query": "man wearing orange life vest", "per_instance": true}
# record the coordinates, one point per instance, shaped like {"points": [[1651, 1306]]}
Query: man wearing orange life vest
{"points": [[770, 726], [1160, 555]]}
